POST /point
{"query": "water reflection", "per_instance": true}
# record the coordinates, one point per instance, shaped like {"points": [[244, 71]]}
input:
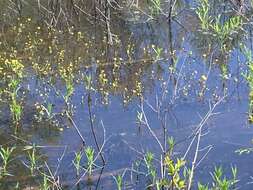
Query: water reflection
{"points": [[58, 73]]}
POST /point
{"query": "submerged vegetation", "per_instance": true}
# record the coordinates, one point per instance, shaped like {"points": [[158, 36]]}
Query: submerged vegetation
{"points": [[76, 76]]}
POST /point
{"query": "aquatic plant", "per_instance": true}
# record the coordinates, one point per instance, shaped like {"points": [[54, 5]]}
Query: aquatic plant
{"points": [[119, 181], [15, 67], [220, 181], [69, 87], [5, 154], [155, 7], [148, 159], [249, 78], [173, 169], [77, 162], [171, 143], [14, 79], [44, 112], [16, 111], [89, 152], [45, 185], [223, 31], [158, 52], [33, 159], [88, 83], [203, 14]]}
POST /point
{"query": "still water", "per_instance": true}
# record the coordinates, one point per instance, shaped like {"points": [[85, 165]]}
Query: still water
{"points": [[174, 71]]}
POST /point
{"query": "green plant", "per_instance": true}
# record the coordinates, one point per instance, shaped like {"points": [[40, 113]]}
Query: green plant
{"points": [[203, 14], [69, 88], [221, 30], [226, 29], [67, 76], [139, 119], [220, 182], [249, 78], [171, 143], [89, 152], [119, 181], [88, 82], [148, 159], [158, 52], [173, 170], [49, 110], [33, 159], [44, 112], [155, 7], [224, 71], [77, 162], [15, 105], [45, 184], [5, 154], [202, 187]]}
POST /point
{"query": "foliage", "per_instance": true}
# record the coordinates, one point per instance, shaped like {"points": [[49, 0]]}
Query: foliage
{"points": [[249, 77], [89, 152], [203, 14], [220, 182], [5, 154], [77, 162]]}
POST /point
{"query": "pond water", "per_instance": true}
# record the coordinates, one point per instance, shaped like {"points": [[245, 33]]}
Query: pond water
{"points": [[140, 80]]}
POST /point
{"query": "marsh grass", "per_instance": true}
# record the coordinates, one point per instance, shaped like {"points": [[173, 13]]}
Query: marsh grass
{"points": [[203, 12], [5, 154], [89, 153], [220, 181], [15, 105], [12, 74], [155, 7], [45, 185], [249, 78], [77, 162], [33, 159], [119, 181], [151, 172]]}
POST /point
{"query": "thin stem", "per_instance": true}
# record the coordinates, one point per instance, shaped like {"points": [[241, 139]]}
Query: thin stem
{"points": [[93, 130]]}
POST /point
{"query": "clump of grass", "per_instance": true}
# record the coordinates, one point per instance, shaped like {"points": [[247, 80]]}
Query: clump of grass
{"points": [[32, 158], [119, 181], [45, 185], [89, 152], [249, 78], [158, 52], [171, 143], [223, 31], [155, 7], [203, 14], [69, 88], [14, 73], [66, 73], [148, 159], [14, 104], [77, 162], [220, 181], [5, 154]]}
